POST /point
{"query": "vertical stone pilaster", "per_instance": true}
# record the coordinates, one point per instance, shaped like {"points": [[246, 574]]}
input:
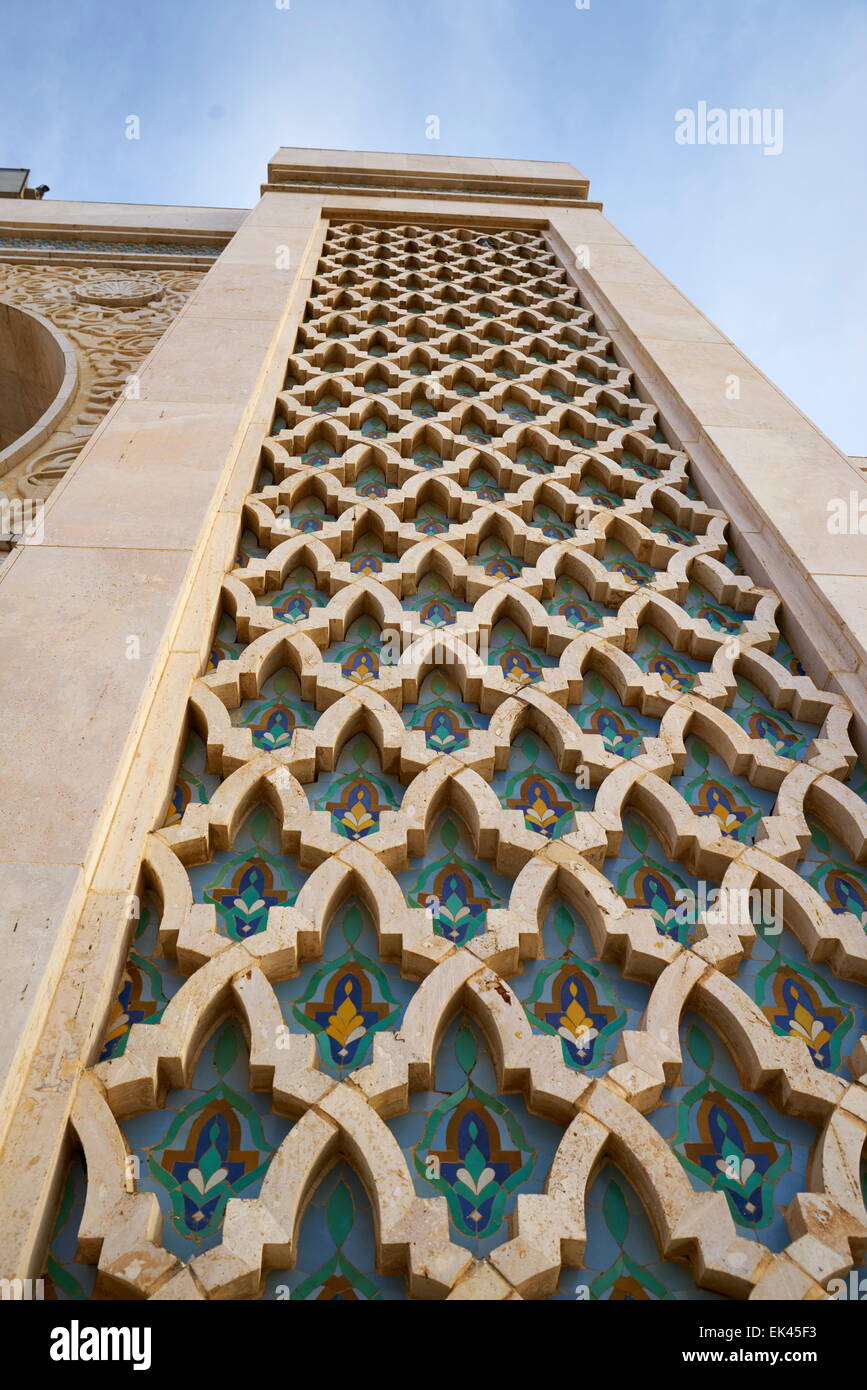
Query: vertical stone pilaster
{"points": [[102, 628]]}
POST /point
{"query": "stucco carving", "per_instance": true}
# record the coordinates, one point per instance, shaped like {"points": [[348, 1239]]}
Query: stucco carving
{"points": [[114, 321]]}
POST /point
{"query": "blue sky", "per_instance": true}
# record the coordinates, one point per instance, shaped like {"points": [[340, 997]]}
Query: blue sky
{"points": [[770, 247]]}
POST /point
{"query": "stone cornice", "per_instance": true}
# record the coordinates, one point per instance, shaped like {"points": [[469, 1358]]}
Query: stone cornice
{"points": [[434, 176]]}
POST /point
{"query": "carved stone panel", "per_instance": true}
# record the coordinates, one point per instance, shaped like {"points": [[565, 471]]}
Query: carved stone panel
{"points": [[114, 319]]}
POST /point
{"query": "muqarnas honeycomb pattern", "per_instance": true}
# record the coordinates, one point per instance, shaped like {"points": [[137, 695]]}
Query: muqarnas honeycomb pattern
{"points": [[506, 937]]}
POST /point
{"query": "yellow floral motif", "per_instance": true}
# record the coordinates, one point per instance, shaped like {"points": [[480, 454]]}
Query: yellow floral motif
{"points": [[575, 1026], [358, 818], [729, 824], [346, 1025], [539, 813], [809, 1029], [515, 672], [363, 671], [119, 1020]]}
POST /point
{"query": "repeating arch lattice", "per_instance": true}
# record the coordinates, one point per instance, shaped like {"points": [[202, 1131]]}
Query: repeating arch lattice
{"points": [[490, 698]]}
